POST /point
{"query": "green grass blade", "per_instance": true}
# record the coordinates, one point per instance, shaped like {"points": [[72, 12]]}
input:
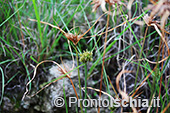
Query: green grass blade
{"points": [[38, 21], [3, 82], [64, 92], [12, 14]]}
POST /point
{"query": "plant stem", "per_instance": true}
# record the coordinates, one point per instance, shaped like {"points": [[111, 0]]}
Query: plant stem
{"points": [[85, 67], [140, 56], [79, 78], [65, 95]]}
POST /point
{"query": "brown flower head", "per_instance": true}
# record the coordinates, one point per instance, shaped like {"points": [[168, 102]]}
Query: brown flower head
{"points": [[162, 8], [74, 38], [148, 20]]}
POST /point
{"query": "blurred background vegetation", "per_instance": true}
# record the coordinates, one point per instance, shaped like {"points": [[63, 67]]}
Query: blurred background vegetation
{"points": [[24, 43]]}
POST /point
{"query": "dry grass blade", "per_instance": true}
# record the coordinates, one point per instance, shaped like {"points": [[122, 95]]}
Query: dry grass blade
{"points": [[72, 37], [102, 3], [150, 106], [148, 20], [44, 87], [114, 27], [112, 86], [143, 81], [166, 108], [98, 3], [156, 62], [162, 37], [129, 7], [35, 71], [99, 91], [94, 23], [153, 2], [48, 24], [124, 95], [120, 25], [138, 94], [117, 83], [156, 8]]}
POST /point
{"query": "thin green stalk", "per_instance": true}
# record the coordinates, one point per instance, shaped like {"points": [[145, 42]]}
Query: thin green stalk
{"points": [[140, 56], [85, 67], [3, 82], [79, 78], [65, 95], [38, 22]]}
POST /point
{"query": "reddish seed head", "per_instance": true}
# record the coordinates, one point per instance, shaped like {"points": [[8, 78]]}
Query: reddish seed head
{"points": [[74, 38]]}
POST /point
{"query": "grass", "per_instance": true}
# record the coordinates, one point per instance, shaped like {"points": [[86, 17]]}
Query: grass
{"points": [[3, 82], [140, 49]]}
